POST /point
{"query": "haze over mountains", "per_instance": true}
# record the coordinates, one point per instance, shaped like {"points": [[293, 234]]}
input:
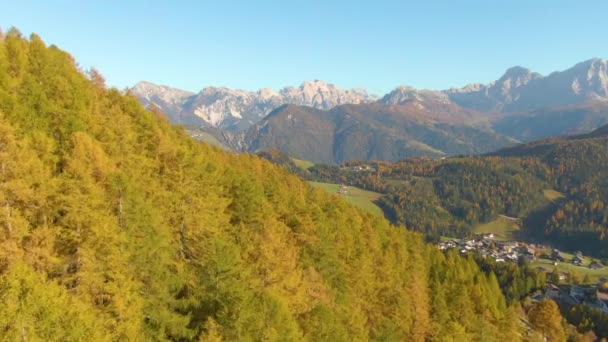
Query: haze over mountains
{"points": [[329, 124]]}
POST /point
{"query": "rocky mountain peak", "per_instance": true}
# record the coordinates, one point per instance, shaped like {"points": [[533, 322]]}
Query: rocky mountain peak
{"points": [[236, 109], [267, 93], [516, 72], [400, 95], [404, 94], [516, 77], [517, 90], [324, 96], [316, 85], [150, 91], [595, 73], [593, 64], [168, 100]]}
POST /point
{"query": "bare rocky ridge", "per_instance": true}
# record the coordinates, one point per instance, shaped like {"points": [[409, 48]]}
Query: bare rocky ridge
{"points": [[520, 90], [238, 109], [169, 100], [325, 123]]}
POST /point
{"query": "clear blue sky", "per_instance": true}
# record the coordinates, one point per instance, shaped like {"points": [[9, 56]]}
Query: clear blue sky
{"points": [[376, 44]]}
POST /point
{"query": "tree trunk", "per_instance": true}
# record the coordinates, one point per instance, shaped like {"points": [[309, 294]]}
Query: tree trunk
{"points": [[7, 209], [121, 222]]}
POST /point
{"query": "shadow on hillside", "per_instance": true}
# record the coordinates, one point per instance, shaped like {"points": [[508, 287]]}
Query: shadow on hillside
{"points": [[533, 226]]}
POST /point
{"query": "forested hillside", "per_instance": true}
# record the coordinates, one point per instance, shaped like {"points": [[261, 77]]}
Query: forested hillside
{"points": [[450, 196], [369, 132], [115, 225], [453, 196], [554, 121], [578, 167]]}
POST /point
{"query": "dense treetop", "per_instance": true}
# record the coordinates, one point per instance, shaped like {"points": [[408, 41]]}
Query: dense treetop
{"points": [[114, 225]]}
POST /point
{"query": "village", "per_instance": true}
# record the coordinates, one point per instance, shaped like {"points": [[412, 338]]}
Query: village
{"points": [[592, 294], [511, 251], [363, 168], [486, 245]]}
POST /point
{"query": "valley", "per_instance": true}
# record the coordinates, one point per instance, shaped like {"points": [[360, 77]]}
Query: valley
{"points": [[550, 191]]}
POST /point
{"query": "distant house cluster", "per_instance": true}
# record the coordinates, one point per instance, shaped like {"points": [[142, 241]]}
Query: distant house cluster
{"points": [[578, 259], [511, 251], [594, 296], [485, 245], [363, 168], [569, 295], [343, 190]]}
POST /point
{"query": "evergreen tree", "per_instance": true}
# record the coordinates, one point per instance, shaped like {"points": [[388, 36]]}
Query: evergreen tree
{"points": [[115, 225], [545, 318]]}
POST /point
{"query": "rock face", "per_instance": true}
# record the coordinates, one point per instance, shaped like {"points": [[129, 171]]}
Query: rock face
{"points": [[236, 110], [324, 96], [520, 90], [169, 100], [321, 122], [406, 94]]}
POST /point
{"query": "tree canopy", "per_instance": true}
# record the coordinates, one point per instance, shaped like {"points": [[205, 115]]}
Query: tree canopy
{"points": [[115, 225]]}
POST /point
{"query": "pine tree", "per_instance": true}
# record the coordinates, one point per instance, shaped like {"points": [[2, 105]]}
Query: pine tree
{"points": [[545, 318], [115, 225]]}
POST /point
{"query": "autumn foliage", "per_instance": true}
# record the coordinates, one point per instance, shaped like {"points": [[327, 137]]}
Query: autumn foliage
{"points": [[114, 225]]}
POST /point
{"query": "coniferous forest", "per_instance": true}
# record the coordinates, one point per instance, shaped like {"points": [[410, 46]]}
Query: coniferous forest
{"points": [[115, 225], [452, 195]]}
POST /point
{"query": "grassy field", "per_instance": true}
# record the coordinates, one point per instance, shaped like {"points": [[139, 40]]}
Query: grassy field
{"points": [[362, 198], [502, 228], [208, 138], [552, 195], [567, 266], [422, 146], [302, 164]]}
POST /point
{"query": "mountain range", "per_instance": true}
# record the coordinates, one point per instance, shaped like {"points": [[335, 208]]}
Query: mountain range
{"points": [[323, 123], [236, 110]]}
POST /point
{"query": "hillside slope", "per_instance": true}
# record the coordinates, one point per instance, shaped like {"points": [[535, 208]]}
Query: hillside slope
{"points": [[556, 188], [117, 226], [368, 132], [553, 122], [577, 167]]}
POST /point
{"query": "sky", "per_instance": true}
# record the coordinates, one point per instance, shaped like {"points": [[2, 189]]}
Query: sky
{"points": [[376, 45]]}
